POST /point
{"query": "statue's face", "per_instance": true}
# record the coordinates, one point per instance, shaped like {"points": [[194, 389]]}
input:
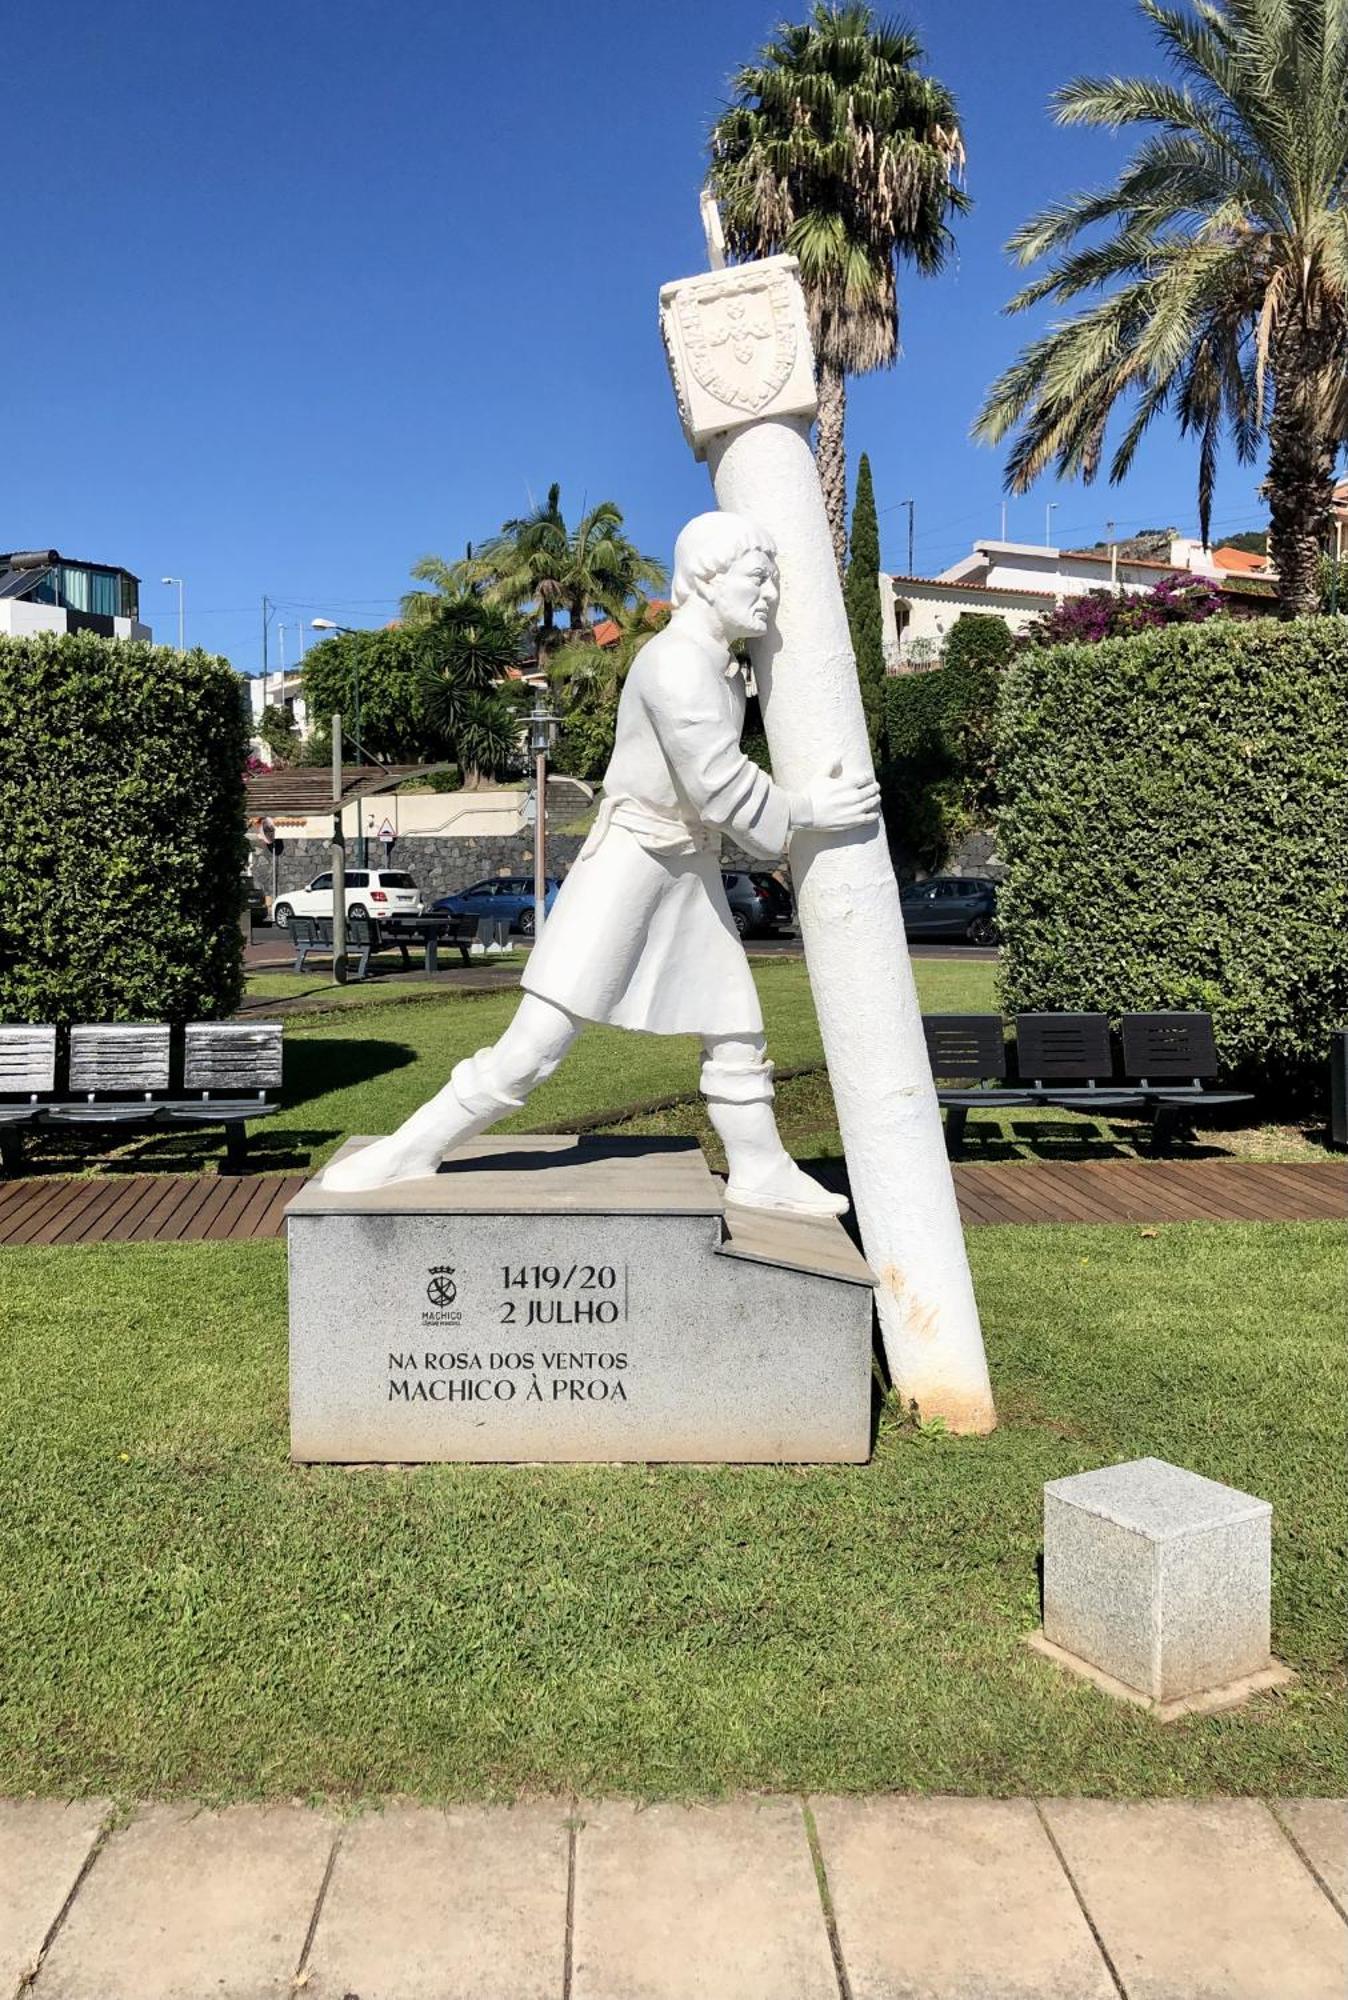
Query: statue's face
{"points": [[745, 595]]}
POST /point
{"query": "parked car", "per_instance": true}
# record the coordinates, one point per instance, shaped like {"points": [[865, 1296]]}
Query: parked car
{"points": [[758, 902], [951, 906], [506, 899], [370, 892]]}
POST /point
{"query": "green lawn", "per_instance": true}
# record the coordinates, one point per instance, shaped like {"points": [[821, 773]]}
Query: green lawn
{"points": [[182, 1612], [367, 1072]]}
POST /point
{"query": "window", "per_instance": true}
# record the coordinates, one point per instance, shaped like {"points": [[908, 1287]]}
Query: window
{"points": [[321, 882], [396, 881], [105, 594], [357, 878], [75, 588]]}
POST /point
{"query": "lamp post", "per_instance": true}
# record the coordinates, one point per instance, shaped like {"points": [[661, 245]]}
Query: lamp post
{"points": [[328, 625], [178, 580], [543, 727], [1049, 511]]}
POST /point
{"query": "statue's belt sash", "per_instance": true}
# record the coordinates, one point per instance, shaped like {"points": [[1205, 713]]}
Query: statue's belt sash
{"points": [[658, 832]]}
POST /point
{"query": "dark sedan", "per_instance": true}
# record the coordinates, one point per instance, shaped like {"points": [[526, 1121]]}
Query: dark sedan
{"points": [[951, 906], [757, 900], [507, 899]]}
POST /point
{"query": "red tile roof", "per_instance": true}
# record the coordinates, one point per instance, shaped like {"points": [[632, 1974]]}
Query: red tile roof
{"points": [[608, 631], [1241, 562]]}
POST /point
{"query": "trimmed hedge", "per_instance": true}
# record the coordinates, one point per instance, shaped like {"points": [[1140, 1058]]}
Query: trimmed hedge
{"points": [[121, 831], [936, 773], [1174, 820]]}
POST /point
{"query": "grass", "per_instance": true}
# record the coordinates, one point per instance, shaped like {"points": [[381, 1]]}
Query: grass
{"points": [[183, 1613]]}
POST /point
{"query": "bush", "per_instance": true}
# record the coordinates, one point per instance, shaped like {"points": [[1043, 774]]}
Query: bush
{"points": [[1174, 818], [937, 775], [121, 831]]}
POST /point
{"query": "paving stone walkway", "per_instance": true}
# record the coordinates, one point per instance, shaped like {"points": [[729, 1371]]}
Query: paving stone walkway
{"points": [[752, 1899]]}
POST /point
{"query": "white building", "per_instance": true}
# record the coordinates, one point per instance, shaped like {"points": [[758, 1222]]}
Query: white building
{"points": [[44, 591], [281, 689], [1017, 581]]}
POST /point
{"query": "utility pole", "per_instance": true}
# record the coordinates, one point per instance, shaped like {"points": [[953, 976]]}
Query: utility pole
{"points": [[911, 505], [338, 860], [1113, 557], [267, 609]]}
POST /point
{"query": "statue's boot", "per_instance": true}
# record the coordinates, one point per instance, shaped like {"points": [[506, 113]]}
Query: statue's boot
{"points": [[762, 1172], [467, 1105]]}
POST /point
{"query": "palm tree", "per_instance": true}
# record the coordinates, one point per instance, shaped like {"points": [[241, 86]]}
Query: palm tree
{"points": [[1225, 277], [463, 655], [540, 566], [838, 150]]}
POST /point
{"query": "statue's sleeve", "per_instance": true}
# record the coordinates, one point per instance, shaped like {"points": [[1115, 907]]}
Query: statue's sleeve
{"points": [[726, 789]]}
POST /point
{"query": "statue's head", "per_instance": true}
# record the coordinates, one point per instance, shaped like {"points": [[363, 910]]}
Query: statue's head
{"points": [[731, 564]]}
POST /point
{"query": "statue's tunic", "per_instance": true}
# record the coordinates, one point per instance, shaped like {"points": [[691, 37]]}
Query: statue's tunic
{"points": [[641, 934]]}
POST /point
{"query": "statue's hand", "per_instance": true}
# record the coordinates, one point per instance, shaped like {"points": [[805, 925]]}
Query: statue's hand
{"points": [[836, 803]]}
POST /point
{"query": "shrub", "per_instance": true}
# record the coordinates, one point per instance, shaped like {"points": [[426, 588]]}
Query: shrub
{"points": [[1174, 819], [1178, 599], [937, 776], [121, 831]]}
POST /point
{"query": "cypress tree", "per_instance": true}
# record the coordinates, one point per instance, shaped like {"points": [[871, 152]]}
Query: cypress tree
{"points": [[861, 594]]}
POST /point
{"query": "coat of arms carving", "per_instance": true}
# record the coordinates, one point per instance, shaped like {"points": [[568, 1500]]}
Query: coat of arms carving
{"points": [[740, 339]]}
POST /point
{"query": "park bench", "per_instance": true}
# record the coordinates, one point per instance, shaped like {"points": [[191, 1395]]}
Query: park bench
{"points": [[120, 1075], [972, 1049], [1173, 1057], [367, 936], [1067, 1061]]}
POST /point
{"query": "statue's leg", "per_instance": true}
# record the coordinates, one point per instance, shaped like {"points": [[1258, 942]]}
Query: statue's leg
{"points": [[481, 1089], [737, 1084]]}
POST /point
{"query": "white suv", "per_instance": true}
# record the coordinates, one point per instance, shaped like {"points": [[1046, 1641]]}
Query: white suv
{"points": [[370, 892]]}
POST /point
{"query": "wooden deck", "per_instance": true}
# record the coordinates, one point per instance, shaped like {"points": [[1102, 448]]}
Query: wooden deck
{"points": [[191, 1208]]}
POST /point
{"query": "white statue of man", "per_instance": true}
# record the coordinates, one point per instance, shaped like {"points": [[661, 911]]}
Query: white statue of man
{"points": [[641, 934]]}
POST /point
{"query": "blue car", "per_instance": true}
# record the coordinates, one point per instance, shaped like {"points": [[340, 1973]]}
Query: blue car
{"points": [[506, 899]]}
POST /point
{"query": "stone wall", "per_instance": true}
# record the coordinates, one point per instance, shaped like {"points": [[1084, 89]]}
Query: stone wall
{"points": [[439, 867]]}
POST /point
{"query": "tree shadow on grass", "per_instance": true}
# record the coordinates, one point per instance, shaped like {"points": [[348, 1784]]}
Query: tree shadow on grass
{"points": [[318, 1065]]}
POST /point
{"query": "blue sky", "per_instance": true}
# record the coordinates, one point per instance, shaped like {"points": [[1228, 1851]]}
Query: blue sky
{"points": [[299, 292]]}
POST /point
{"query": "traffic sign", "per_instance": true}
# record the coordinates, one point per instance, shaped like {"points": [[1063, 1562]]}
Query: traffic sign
{"points": [[386, 833]]}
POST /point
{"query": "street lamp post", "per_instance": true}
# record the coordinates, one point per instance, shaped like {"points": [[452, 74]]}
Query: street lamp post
{"points": [[182, 648], [328, 625], [543, 727]]}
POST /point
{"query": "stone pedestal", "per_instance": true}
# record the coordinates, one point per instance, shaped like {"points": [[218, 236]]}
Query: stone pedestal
{"points": [[568, 1300], [1156, 1584]]}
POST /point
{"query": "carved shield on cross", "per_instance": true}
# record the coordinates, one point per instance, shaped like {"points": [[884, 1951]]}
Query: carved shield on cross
{"points": [[740, 340]]}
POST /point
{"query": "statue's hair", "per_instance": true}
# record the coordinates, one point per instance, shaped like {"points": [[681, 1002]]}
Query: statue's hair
{"points": [[710, 544]]}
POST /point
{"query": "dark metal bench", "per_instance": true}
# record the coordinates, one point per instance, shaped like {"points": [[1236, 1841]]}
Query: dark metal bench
{"points": [[1173, 1056], [311, 935], [367, 936], [430, 932], [119, 1075], [1067, 1061], [971, 1048]]}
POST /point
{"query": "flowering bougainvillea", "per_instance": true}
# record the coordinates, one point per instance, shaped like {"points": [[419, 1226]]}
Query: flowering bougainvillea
{"points": [[1178, 599]]}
